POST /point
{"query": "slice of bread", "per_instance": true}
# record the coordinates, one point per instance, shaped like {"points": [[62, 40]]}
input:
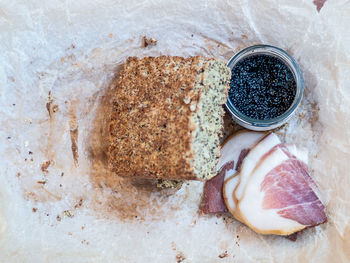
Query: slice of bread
{"points": [[167, 117]]}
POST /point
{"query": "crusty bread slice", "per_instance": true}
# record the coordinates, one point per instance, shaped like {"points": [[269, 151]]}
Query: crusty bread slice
{"points": [[167, 117]]}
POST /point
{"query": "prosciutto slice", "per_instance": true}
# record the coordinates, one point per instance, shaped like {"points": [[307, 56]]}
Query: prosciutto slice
{"points": [[279, 196], [212, 199]]}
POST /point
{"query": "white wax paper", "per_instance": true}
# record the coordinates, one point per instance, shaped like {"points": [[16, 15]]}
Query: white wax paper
{"points": [[61, 56]]}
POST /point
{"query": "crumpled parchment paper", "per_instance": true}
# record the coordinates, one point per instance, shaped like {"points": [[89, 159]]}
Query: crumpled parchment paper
{"points": [[57, 62]]}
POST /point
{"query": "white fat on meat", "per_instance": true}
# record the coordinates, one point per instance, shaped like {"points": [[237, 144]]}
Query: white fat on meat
{"points": [[301, 154], [228, 189], [252, 159], [233, 146], [251, 208]]}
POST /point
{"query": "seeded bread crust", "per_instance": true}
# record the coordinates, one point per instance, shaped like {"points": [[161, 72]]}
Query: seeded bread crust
{"points": [[152, 127]]}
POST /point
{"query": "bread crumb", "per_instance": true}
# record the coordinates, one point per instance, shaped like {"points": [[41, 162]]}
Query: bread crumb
{"points": [[44, 166], [42, 181], [34, 209], [79, 204], [148, 42], [68, 213], [144, 42], [180, 257], [152, 41], [224, 254], [54, 108]]}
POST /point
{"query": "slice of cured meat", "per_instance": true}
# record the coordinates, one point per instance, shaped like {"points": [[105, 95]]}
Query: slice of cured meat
{"points": [[212, 199], [233, 145], [233, 151], [279, 197], [255, 155], [228, 189]]}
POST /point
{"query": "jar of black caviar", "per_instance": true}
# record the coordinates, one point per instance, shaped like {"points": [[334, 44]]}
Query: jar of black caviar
{"points": [[266, 87]]}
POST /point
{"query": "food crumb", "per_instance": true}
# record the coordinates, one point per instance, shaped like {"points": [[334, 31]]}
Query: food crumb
{"points": [[224, 254], [144, 42], [58, 217], [34, 209], [148, 42], [41, 181], [48, 103], [44, 166], [111, 35], [82, 227], [68, 213], [54, 108], [244, 36], [79, 204], [18, 174], [153, 41], [70, 233], [180, 257]]}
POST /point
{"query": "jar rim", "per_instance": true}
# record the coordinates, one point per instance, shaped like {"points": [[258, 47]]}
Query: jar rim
{"points": [[289, 61]]}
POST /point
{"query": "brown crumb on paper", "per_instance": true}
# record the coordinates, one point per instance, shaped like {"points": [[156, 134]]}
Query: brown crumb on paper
{"points": [[74, 132], [48, 103], [224, 254], [42, 181], [79, 204], [144, 42], [148, 41], [34, 209], [68, 213], [58, 217], [54, 108], [180, 257], [153, 41], [44, 166]]}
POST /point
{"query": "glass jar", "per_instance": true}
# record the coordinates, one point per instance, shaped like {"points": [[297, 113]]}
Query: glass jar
{"points": [[264, 125]]}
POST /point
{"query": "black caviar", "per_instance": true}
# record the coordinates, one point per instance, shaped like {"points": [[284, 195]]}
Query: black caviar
{"points": [[262, 87]]}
